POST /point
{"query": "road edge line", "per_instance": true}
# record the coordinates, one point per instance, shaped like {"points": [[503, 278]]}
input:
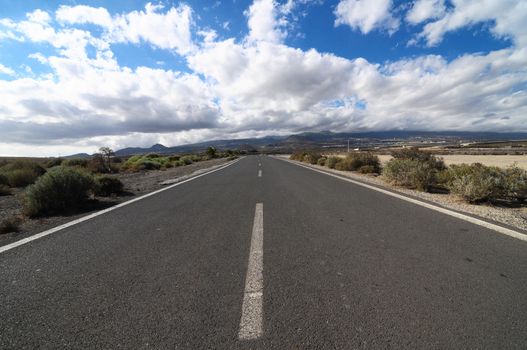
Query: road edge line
{"points": [[473, 220], [104, 211]]}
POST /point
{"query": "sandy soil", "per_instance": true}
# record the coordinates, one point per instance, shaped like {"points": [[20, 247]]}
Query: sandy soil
{"points": [[135, 185], [490, 160]]}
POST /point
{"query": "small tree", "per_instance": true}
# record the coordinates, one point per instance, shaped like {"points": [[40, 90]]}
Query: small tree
{"points": [[211, 152], [107, 153]]}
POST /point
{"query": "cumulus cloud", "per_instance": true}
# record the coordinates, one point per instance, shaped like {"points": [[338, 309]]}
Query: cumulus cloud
{"points": [[507, 18], [423, 10], [242, 88], [366, 15], [264, 22], [165, 30], [6, 70]]}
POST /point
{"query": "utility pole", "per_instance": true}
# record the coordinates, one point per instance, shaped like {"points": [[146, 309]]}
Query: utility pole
{"points": [[348, 146]]}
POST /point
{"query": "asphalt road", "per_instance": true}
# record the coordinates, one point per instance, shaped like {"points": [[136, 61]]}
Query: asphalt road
{"points": [[343, 267]]}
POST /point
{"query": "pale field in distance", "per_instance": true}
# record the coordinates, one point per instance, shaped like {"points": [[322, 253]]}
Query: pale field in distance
{"points": [[490, 160]]}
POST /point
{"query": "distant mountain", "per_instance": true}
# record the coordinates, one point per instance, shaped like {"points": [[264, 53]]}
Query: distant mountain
{"points": [[327, 139], [235, 144], [78, 155]]}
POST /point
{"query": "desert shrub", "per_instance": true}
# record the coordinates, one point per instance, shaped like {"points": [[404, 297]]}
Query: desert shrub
{"points": [[174, 158], [3, 180], [410, 173], [321, 161], [54, 162], [368, 169], [516, 183], [96, 164], [146, 162], [233, 157], [21, 177], [354, 161], [11, 224], [414, 153], [477, 183], [21, 173], [80, 162], [332, 161], [4, 190], [186, 160], [311, 157], [60, 190], [106, 186], [298, 155]]}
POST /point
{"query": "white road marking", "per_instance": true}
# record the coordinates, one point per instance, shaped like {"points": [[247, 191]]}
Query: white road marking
{"points": [[251, 323], [491, 226], [91, 216], [259, 173]]}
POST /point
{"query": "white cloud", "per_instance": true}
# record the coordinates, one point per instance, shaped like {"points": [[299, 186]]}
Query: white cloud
{"points": [[264, 22], [81, 14], [244, 88], [508, 18], [423, 10], [6, 70], [366, 15], [165, 30]]}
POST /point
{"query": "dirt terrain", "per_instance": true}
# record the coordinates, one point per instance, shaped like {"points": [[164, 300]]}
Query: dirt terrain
{"points": [[135, 184], [501, 161]]}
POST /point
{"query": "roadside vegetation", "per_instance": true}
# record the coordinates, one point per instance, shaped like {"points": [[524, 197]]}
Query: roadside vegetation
{"points": [[57, 186], [419, 170]]}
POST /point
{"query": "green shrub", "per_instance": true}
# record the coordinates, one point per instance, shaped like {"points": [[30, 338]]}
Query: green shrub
{"points": [[413, 153], [311, 157], [477, 183], [147, 162], [321, 161], [11, 224], [106, 186], [21, 177], [186, 160], [61, 190], [54, 162], [3, 180], [298, 155], [357, 160], [21, 173], [79, 162], [410, 173], [368, 169], [5, 190], [332, 161], [516, 183]]}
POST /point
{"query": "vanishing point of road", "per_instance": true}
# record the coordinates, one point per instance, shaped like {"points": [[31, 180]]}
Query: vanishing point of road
{"points": [[265, 254]]}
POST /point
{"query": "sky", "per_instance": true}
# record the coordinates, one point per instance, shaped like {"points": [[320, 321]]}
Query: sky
{"points": [[77, 75]]}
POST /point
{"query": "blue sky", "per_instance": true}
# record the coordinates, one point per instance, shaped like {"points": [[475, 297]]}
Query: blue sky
{"points": [[75, 75]]}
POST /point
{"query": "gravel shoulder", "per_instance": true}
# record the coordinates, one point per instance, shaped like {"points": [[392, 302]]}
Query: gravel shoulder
{"points": [[515, 217], [135, 184]]}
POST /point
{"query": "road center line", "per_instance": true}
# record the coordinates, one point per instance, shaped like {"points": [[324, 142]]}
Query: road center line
{"points": [[251, 323], [259, 173]]}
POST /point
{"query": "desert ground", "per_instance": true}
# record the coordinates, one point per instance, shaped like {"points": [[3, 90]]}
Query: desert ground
{"points": [[501, 161]]}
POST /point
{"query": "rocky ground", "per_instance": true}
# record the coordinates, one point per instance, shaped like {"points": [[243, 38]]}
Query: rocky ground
{"points": [[135, 184], [510, 215]]}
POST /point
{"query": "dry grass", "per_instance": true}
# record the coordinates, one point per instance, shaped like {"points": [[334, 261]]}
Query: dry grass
{"points": [[489, 160]]}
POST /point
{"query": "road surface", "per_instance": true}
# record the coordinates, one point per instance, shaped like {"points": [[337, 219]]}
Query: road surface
{"points": [[265, 254]]}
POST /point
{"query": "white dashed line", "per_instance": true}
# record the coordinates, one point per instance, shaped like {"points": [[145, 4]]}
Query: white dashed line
{"points": [[251, 323], [259, 173]]}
